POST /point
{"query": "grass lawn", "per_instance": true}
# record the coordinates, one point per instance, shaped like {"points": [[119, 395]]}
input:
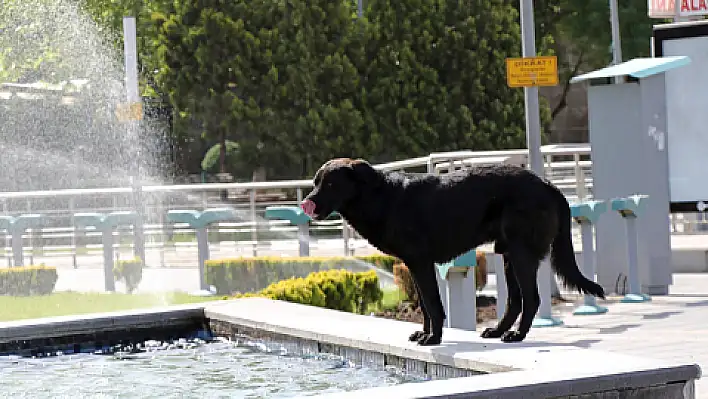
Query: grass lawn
{"points": [[75, 303], [392, 297]]}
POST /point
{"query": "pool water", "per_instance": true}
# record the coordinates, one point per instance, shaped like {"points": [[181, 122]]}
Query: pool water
{"points": [[187, 369]]}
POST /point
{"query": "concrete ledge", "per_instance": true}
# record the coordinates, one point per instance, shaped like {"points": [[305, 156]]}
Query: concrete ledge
{"points": [[92, 323], [75, 333], [532, 369], [484, 368], [522, 385]]}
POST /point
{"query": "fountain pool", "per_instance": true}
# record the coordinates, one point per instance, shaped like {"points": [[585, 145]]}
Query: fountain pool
{"points": [[188, 369]]}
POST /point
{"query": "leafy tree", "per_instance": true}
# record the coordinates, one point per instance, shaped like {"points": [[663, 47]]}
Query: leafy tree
{"points": [[273, 76], [319, 80], [36, 43], [108, 14], [192, 37], [582, 36], [436, 80]]}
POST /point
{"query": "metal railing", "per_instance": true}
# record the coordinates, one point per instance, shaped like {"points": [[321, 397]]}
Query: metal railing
{"points": [[567, 165]]}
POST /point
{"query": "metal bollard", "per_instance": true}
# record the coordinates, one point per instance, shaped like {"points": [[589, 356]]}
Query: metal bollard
{"points": [[544, 317], [629, 208], [587, 214], [295, 216]]}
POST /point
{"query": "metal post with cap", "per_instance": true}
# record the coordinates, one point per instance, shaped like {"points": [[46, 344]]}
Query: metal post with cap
{"points": [[533, 142], [133, 114]]}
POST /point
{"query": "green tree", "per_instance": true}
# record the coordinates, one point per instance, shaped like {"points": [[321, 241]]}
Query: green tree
{"points": [[322, 46], [196, 43], [108, 14], [436, 80], [36, 47], [582, 36], [273, 76]]}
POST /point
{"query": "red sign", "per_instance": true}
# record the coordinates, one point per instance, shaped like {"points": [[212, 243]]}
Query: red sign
{"points": [[686, 8]]}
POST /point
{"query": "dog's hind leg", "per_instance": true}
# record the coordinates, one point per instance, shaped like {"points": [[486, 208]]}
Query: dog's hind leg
{"points": [[525, 267], [426, 317], [513, 304], [424, 275]]}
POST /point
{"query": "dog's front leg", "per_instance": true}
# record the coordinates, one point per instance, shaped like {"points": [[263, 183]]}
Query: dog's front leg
{"points": [[425, 279]]}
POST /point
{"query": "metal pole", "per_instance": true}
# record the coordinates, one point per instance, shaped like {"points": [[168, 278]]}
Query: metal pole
{"points": [[130, 49], [131, 59], [588, 259], [17, 249], [109, 277], [254, 221], [303, 238], [616, 42], [203, 254], [533, 119], [533, 142], [633, 268]]}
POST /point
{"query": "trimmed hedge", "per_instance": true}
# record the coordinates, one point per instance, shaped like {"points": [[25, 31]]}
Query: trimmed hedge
{"points": [[254, 274], [381, 261], [130, 272], [28, 280], [333, 289]]}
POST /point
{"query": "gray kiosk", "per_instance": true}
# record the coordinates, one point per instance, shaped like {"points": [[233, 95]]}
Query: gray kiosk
{"points": [[627, 123]]}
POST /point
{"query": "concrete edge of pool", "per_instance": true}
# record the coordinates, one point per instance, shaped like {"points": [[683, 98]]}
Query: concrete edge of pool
{"points": [[483, 368]]}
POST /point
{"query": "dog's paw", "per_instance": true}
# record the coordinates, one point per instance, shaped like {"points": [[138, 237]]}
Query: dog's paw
{"points": [[429, 339], [512, 336], [416, 336], [491, 333]]}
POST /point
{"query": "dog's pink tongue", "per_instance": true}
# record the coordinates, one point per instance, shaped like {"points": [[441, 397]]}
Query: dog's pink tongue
{"points": [[308, 207]]}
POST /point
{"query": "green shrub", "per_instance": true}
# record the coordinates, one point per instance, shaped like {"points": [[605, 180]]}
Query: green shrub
{"points": [[298, 290], [371, 293], [382, 261], [333, 289], [254, 274], [28, 280], [130, 272]]}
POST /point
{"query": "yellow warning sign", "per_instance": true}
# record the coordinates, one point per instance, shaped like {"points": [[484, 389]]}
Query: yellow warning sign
{"points": [[129, 112], [532, 71]]}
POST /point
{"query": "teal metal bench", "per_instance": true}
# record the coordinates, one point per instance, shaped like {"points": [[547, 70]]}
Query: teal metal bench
{"points": [[15, 227], [296, 216], [106, 223], [199, 221]]}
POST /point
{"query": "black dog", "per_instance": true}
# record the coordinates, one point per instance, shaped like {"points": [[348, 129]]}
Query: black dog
{"points": [[430, 219]]}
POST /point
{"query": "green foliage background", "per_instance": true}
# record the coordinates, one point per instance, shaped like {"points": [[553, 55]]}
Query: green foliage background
{"points": [[296, 82]]}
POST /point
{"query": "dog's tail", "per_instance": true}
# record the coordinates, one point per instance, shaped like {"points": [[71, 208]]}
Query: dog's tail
{"points": [[562, 254]]}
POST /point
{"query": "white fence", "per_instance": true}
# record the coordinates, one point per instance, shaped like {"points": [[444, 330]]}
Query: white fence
{"points": [[568, 166]]}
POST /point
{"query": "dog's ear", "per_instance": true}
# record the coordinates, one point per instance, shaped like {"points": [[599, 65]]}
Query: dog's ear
{"points": [[365, 173]]}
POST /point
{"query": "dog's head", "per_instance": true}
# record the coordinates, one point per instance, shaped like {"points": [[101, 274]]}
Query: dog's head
{"points": [[336, 183]]}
